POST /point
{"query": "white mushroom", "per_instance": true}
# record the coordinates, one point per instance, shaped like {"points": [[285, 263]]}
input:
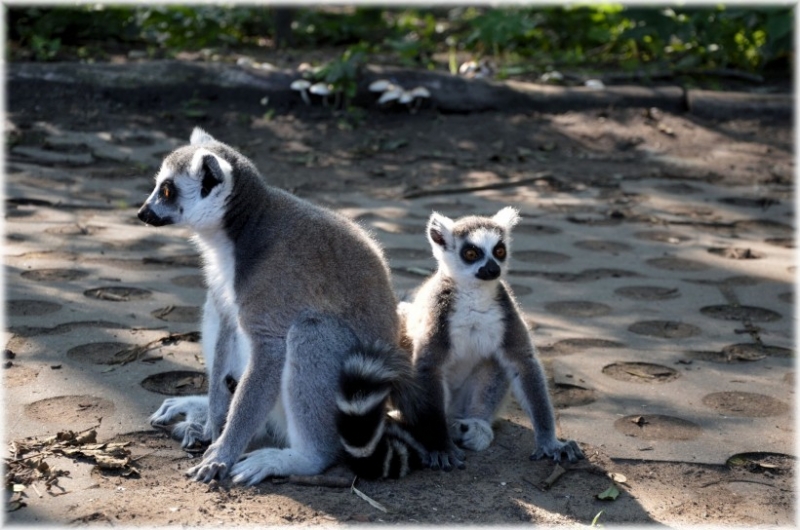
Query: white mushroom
{"points": [[302, 86], [595, 84], [405, 97], [390, 95], [552, 76], [421, 92], [417, 95], [381, 85], [322, 89]]}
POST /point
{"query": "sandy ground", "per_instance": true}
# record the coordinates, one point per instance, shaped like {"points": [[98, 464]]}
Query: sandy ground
{"points": [[655, 263]]}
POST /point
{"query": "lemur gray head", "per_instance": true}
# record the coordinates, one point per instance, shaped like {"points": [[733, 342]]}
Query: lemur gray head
{"points": [[472, 248], [193, 184]]}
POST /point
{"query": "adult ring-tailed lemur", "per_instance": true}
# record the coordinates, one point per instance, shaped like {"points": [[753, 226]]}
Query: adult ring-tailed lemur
{"points": [[299, 329]]}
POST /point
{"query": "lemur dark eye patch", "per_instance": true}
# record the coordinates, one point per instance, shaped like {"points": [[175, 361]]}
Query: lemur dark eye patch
{"points": [[499, 251], [168, 192], [470, 253]]}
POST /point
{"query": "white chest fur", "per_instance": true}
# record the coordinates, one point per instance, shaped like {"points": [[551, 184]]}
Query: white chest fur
{"points": [[476, 332], [219, 269]]}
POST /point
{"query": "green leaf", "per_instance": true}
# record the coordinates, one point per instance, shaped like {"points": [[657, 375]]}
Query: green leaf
{"points": [[392, 145], [610, 494]]}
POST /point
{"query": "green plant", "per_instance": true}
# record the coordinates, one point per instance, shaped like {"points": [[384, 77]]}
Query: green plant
{"points": [[44, 49], [414, 37], [192, 27], [520, 38], [747, 39], [342, 74], [338, 26], [45, 31], [502, 30]]}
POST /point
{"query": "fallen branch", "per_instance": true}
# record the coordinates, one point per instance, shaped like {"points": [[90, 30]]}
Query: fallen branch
{"points": [[135, 352], [469, 189], [662, 74]]}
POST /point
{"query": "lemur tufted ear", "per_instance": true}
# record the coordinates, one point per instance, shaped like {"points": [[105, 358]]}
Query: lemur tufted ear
{"points": [[508, 217], [210, 170], [440, 231], [199, 136], [212, 175]]}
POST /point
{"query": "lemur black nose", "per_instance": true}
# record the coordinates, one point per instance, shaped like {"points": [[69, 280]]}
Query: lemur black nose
{"points": [[148, 216], [145, 214], [490, 271]]}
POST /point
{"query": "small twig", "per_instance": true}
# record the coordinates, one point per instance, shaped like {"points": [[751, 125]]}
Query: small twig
{"points": [[554, 476], [361, 494], [726, 481], [110, 296], [469, 189], [137, 352], [315, 480], [144, 455], [23, 458], [36, 490]]}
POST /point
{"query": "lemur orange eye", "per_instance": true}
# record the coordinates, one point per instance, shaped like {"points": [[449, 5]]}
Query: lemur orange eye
{"points": [[500, 251], [168, 191], [470, 253]]}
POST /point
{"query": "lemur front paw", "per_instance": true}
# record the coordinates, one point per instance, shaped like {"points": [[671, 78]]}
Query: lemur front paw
{"points": [[555, 449], [472, 433], [214, 465], [191, 435], [445, 460], [191, 431], [193, 408]]}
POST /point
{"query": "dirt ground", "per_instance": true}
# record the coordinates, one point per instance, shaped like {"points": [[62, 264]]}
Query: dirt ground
{"points": [[386, 158]]}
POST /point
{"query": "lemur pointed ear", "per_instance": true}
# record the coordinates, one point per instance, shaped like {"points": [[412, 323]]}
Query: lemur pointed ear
{"points": [[210, 169], [212, 174], [508, 217], [439, 230], [199, 136]]}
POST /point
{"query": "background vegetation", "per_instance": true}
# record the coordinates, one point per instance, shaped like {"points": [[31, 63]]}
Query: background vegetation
{"points": [[517, 39]]}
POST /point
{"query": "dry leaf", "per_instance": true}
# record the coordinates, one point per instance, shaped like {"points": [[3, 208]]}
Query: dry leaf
{"points": [[619, 478]]}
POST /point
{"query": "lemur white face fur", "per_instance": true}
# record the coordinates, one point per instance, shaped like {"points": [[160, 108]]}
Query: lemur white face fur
{"points": [[472, 249], [191, 187]]}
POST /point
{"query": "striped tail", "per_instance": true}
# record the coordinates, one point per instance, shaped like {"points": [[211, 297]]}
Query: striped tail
{"points": [[375, 442]]}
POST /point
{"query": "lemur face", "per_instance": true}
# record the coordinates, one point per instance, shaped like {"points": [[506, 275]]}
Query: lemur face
{"points": [[191, 187], [472, 249]]}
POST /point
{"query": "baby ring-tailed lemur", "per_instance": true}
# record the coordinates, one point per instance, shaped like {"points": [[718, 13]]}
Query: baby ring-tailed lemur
{"points": [[470, 343], [299, 330]]}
